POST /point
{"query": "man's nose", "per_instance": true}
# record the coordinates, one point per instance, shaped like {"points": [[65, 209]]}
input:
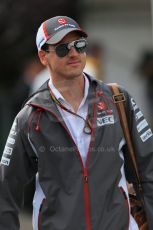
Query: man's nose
{"points": [[73, 51]]}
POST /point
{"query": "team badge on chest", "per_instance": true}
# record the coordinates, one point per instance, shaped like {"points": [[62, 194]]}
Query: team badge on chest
{"points": [[105, 114]]}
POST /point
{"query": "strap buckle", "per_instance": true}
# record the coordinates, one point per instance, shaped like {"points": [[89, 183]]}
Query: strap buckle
{"points": [[119, 98]]}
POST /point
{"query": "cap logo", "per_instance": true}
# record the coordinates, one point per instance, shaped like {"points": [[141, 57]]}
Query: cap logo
{"points": [[62, 20]]}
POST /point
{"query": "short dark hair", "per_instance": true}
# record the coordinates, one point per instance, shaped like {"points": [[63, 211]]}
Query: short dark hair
{"points": [[45, 47]]}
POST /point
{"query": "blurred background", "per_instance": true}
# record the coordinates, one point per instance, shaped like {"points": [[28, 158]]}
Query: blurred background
{"points": [[120, 50]]}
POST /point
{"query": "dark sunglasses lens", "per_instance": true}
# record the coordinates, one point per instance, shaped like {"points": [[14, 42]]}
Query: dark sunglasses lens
{"points": [[81, 46], [62, 50]]}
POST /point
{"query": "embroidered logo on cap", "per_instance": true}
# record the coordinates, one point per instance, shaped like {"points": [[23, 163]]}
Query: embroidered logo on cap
{"points": [[62, 20]]}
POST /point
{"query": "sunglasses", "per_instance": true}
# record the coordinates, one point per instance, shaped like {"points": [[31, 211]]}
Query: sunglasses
{"points": [[63, 49]]}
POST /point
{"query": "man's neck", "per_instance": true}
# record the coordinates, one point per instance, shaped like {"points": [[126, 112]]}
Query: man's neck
{"points": [[72, 90]]}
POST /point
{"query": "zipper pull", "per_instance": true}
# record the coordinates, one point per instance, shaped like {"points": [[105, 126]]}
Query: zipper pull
{"points": [[85, 178]]}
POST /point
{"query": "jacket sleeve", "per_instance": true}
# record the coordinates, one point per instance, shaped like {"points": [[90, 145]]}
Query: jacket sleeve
{"points": [[17, 168], [142, 138]]}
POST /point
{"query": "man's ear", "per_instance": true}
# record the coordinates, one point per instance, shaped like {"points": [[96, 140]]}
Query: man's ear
{"points": [[42, 57]]}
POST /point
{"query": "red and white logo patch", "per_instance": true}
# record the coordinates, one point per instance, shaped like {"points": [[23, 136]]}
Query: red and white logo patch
{"points": [[62, 20], [101, 105]]}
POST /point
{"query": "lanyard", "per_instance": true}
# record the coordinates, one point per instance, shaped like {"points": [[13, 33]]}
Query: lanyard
{"points": [[87, 127]]}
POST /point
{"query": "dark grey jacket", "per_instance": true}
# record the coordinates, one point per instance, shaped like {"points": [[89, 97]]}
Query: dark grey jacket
{"points": [[77, 197]]}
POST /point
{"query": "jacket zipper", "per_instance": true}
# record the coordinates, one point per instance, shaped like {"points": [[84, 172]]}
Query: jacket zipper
{"points": [[86, 198], [84, 170]]}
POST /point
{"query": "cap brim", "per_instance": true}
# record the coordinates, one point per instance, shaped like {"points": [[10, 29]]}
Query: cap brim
{"points": [[61, 34]]}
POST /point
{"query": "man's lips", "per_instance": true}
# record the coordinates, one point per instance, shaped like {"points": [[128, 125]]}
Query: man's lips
{"points": [[75, 62]]}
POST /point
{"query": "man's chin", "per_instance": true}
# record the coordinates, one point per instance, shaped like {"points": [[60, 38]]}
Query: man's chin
{"points": [[74, 74]]}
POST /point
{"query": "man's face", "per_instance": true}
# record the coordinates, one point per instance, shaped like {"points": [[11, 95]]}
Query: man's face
{"points": [[69, 66]]}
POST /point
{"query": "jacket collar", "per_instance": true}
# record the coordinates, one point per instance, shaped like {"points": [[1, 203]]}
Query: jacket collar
{"points": [[42, 97]]}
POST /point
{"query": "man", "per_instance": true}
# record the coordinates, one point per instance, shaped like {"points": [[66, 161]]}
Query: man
{"points": [[69, 135]]}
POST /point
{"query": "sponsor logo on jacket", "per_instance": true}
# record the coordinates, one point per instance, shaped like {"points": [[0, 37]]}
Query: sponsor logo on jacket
{"points": [[5, 160], [106, 120]]}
